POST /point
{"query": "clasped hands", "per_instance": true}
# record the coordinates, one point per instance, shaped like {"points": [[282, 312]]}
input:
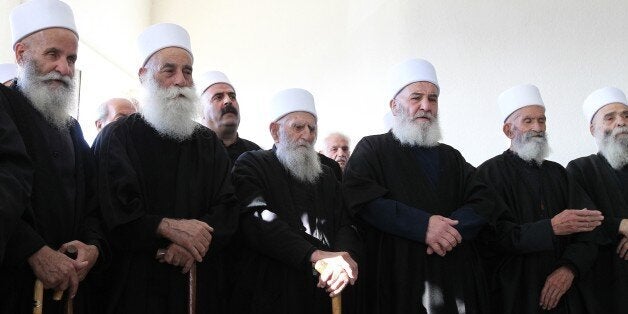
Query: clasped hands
{"points": [[190, 241]]}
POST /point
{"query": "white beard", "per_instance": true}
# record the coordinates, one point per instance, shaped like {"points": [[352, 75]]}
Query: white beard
{"points": [[530, 147], [172, 110], [613, 148], [411, 133], [54, 103], [301, 161]]}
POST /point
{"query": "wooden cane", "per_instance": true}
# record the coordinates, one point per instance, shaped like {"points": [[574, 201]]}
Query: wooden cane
{"points": [[192, 290], [191, 283], [38, 297], [336, 301]]}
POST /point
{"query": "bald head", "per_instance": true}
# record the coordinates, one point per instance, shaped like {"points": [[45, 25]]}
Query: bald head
{"points": [[113, 109]]}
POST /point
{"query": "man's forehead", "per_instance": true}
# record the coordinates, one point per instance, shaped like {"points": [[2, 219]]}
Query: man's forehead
{"points": [[614, 107], [52, 38], [420, 88], [172, 56], [531, 111], [220, 88], [301, 117]]}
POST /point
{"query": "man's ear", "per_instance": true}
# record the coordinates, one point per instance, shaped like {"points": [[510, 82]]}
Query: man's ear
{"points": [[98, 124], [274, 131], [20, 50], [592, 129], [507, 128], [393, 107], [141, 73]]}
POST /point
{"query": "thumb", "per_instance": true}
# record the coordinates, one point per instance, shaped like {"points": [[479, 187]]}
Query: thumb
{"points": [[450, 221], [78, 265]]}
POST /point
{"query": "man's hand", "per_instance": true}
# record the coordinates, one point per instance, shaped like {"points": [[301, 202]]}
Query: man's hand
{"points": [[576, 220], [556, 284], [55, 270], [622, 248], [441, 237], [84, 253], [178, 256], [623, 227], [194, 235], [340, 269]]}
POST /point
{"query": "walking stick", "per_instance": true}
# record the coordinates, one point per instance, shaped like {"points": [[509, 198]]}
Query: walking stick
{"points": [[192, 290], [191, 283], [336, 301], [38, 297]]}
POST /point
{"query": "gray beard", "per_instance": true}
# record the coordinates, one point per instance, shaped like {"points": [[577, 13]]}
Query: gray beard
{"points": [[171, 114], [54, 103], [531, 148], [302, 162], [614, 149], [423, 134]]}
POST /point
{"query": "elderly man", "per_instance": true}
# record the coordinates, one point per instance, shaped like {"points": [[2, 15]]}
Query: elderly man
{"points": [[294, 218], [59, 208], [165, 188], [604, 176], [417, 197], [8, 72], [221, 112], [337, 148], [532, 261], [112, 110]]}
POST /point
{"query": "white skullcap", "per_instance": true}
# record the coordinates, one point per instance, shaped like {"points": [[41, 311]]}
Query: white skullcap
{"points": [[408, 72], [8, 71], [36, 15], [160, 36], [601, 98], [291, 100], [210, 78], [518, 97]]}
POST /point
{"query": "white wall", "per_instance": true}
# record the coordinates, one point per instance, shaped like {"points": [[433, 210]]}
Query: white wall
{"points": [[341, 50]]}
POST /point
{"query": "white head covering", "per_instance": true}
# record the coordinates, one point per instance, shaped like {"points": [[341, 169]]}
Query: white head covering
{"points": [[408, 72], [160, 36], [8, 71], [210, 78], [518, 97], [291, 100], [36, 15], [601, 98]]}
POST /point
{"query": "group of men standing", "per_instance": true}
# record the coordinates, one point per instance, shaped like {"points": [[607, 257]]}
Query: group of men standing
{"points": [[160, 202]]}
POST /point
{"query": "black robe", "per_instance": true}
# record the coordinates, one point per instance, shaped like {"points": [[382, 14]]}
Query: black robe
{"points": [[143, 178], [60, 208], [398, 276], [15, 174], [605, 288], [332, 164], [275, 272], [239, 147], [521, 249]]}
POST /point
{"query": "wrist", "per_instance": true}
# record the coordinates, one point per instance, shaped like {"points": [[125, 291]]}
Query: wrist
{"points": [[163, 227], [316, 255]]}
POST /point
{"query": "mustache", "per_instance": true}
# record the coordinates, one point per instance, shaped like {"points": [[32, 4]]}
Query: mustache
{"points": [[424, 114], [66, 80], [616, 131], [229, 108], [532, 133]]}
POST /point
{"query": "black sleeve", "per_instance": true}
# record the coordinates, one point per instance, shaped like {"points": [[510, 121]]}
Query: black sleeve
{"points": [[223, 209], [260, 226], [120, 197], [15, 181]]}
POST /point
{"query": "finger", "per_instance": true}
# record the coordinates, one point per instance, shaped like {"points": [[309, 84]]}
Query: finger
{"points": [[324, 277], [79, 265], [74, 282], [556, 299], [623, 251], [445, 244], [429, 250], [553, 299], [621, 244], [192, 250], [169, 256], [187, 266], [338, 286], [449, 221], [201, 249], [437, 249], [451, 239], [544, 295], [454, 233]]}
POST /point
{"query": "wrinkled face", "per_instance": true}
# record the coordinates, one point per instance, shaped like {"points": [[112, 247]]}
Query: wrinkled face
{"points": [[528, 118], [220, 107], [418, 100], [610, 117], [53, 49], [299, 127], [171, 66], [337, 148]]}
